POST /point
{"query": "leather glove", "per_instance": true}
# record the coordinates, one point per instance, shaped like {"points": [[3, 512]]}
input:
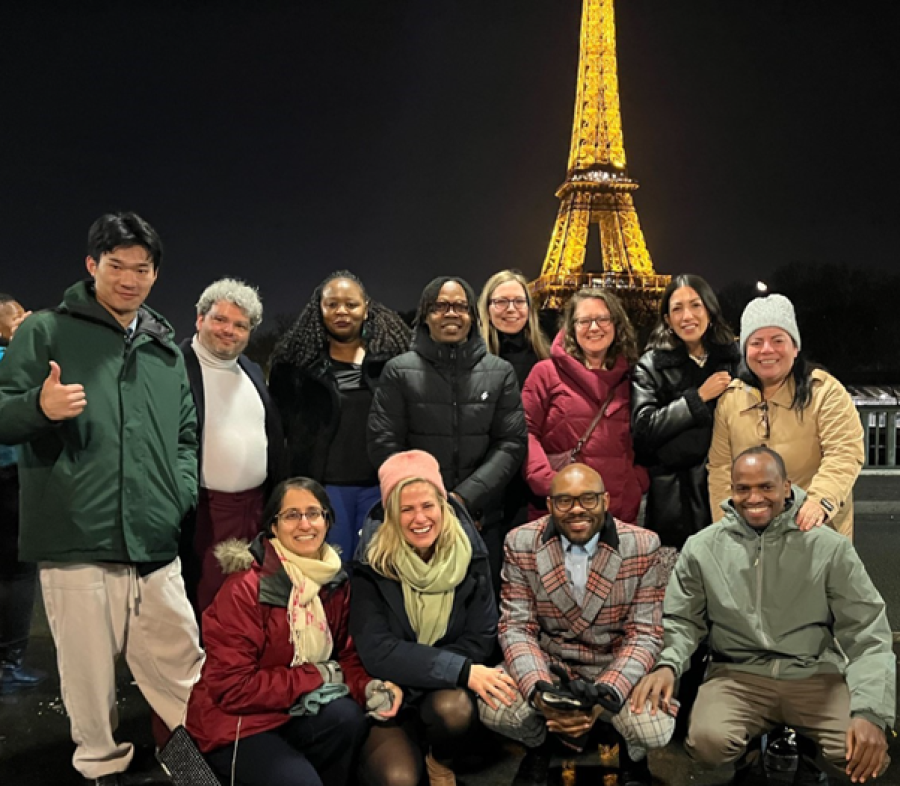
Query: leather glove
{"points": [[578, 693], [608, 698], [590, 693], [559, 696]]}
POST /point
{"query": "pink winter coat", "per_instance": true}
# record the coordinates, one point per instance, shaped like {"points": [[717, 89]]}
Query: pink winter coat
{"points": [[561, 398]]}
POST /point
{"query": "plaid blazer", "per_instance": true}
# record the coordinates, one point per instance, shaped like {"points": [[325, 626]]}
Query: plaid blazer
{"points": [[614, 638]]}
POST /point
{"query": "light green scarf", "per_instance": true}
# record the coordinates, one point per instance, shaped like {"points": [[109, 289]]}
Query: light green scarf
{"points": [[428, 587]]}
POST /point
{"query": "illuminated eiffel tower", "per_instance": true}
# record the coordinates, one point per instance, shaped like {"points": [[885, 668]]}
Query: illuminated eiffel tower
{"points": [[597, 189]]}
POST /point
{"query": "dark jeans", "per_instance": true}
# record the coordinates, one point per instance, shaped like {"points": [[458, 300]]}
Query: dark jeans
{"points": [[351, 504], [18, 580], [319, 750]]}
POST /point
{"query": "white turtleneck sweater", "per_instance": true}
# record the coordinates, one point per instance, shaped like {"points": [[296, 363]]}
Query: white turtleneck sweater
{"points": [[234, 426]]}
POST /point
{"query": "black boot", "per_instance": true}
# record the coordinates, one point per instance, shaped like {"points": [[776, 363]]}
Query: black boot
{"points": [[16, 676], [535, 767], [748, 770], [808, 772], [780, 754], [632, 772]]}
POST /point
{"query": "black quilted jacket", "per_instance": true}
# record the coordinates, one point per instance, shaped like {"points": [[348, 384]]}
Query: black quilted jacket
{"points": [[459, 403]]}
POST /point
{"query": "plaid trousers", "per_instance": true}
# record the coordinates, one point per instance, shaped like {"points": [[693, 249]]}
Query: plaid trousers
{"points": [[524, 723]]}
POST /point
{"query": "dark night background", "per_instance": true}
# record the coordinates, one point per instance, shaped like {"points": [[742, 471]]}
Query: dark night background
{"points": [[277, 141]]}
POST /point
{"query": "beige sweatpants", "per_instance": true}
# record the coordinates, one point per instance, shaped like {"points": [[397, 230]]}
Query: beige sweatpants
{"points": [[98, 611]]}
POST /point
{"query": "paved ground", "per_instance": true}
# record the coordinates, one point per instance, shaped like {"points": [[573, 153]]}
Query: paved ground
{"points": [[35, 748]]}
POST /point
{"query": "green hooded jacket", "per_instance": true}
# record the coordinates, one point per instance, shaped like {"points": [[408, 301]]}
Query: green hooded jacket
{"points": [[784, 604], [113, 483]]}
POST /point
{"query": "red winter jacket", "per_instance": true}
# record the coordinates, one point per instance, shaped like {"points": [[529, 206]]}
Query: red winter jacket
{"points": [[561, 397], [248, 676]]}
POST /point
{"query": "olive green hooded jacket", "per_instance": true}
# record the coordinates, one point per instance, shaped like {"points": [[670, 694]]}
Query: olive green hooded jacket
{"points": [[784, 604], [113, 483]]}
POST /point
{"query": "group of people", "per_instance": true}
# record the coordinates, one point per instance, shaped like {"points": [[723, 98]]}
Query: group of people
{"points": [[342, 568]]}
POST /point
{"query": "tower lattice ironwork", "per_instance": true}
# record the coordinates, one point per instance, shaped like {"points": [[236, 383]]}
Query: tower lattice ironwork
{"points": [[597, 190]]}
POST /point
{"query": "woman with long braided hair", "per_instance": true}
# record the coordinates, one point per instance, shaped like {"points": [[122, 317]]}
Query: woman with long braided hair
{"points": [[324, 373]]}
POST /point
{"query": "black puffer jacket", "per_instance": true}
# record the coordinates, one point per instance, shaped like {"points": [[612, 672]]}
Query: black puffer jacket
{"points": [[310, 408], [672, 430], [459, 403]]}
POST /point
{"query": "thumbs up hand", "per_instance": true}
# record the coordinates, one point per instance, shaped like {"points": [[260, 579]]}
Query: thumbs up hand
{"points": [[58, 401]]}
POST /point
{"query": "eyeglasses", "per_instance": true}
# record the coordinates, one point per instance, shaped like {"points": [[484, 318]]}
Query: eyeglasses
{"points": [[442, 307], [763, 429], [294, 516], [565, 502], [584, 323], [503, 303]]}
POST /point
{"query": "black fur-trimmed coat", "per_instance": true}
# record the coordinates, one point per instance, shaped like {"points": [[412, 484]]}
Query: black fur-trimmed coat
{"points": [[310, 408]]}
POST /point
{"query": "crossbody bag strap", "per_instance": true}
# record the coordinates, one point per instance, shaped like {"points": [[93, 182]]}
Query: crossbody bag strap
{"points": [[597, 418]]}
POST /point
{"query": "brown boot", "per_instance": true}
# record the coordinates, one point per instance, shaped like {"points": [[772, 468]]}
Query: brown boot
{"points": [[439, 774]]}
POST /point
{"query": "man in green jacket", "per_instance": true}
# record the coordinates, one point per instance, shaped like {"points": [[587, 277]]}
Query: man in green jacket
{"points": [[96, 393], [798, 634]]}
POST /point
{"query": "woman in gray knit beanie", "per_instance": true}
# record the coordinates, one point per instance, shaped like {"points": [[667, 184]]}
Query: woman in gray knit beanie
{"points": [[798, 410]]}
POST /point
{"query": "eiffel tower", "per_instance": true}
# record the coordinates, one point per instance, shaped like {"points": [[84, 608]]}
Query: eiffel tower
{"points": [[598, 189]]}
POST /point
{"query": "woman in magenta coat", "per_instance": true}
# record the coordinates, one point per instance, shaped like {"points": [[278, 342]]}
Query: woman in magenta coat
{"points": [[590, 363]]}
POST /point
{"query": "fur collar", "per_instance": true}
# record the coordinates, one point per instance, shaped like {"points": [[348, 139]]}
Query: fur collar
{"points": [[674, 358], [233, 555]]}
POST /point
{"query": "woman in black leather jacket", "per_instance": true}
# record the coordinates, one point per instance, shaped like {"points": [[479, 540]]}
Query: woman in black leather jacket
{"points": [[690, 359]]}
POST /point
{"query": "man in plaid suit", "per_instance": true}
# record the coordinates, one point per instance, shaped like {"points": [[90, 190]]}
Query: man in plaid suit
{"points": [[581, 624]]}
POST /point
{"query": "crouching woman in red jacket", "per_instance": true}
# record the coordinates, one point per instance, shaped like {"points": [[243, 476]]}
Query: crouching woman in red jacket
{"points": [[281, 696]]}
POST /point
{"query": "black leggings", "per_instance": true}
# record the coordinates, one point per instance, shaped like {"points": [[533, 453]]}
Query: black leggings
{"points": [[392, 755], [319, 750]]}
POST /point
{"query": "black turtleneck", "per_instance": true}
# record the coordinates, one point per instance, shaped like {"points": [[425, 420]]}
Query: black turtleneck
{"points": [[516, 350]]}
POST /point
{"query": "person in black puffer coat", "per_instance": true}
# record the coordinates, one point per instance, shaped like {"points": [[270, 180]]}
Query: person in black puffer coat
{"points": [[450, 397], [324, 373], [690, 360]]}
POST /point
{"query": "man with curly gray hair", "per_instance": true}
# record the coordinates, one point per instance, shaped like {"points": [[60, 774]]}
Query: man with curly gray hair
{"points": [[241, 441]]}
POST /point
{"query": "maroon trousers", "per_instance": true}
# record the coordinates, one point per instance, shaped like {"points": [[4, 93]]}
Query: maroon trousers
{"points": [[222, 515]]}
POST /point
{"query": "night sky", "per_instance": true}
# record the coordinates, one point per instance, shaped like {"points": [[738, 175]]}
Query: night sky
{"points": [[277, 141]]}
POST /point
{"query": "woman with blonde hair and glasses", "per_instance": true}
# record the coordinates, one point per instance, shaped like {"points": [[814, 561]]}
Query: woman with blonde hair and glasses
{"points": [[800, 411], [423, 617], [509, 322], [510, 328], [577, 402]]}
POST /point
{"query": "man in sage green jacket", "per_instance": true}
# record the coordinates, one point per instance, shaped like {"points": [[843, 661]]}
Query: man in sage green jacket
{"points": [[798, 634], [96, 394]]}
